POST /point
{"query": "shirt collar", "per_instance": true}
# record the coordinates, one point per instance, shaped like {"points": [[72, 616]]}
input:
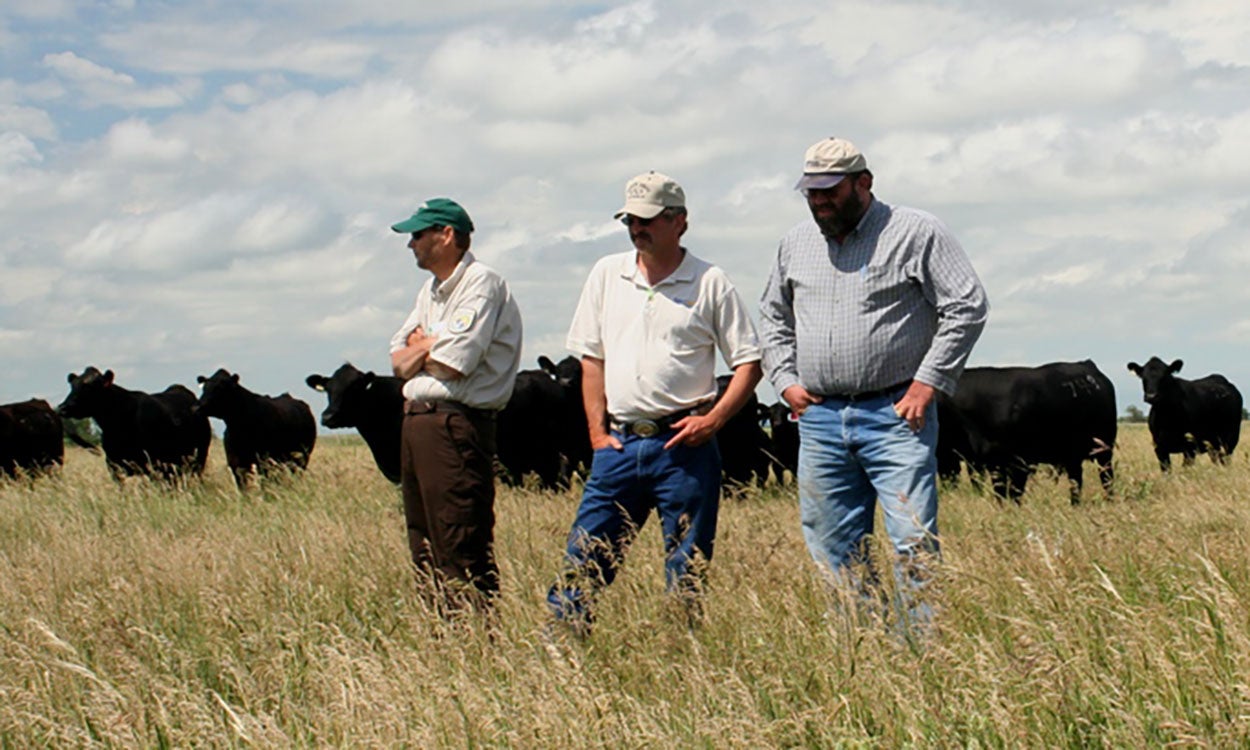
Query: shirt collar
{"points": [[685, 270], [443, 289]]}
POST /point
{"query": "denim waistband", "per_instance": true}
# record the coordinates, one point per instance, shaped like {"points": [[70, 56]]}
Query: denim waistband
{"points": [[889, 390]]}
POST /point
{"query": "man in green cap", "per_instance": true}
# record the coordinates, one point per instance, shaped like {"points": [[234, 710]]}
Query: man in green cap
{"points": [[458, 352]]}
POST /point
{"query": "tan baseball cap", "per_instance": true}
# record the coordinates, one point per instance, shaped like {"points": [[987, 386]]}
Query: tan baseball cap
{"points": [[650, 193], [828, 161]]}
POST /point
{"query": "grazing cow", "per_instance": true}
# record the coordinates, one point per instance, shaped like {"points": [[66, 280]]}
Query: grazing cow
{"points": [[574, 432], [262, 432], [1189, 416], [784, 429], [531, 429], [30, 438], [742, 443], [1006, 420], [373, 404], [142, 433]]}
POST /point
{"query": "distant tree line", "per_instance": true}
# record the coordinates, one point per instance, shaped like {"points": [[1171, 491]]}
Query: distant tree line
{"points": [[1133, 413]]}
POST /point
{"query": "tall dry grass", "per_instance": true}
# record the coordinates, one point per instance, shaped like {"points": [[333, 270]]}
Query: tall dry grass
{"points": [[142, 616]]}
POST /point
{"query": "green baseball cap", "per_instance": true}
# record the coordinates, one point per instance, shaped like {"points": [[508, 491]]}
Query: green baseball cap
{"points": [[436, 212]]}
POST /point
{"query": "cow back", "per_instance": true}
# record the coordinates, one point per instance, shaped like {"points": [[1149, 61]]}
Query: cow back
{"points": [[1057, 414], [30, 437]]}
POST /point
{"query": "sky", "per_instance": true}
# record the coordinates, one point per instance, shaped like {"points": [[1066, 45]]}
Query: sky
{"points": [[187, 186]]}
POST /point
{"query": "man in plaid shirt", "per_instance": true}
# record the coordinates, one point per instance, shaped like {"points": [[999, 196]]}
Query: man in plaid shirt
{"points": [[869, 310]]}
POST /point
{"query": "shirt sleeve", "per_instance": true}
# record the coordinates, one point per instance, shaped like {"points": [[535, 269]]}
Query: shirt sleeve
{"points": [[951, 285], [735, 333], [585, 337], [777, 327], [400, 339], [470, 327]]}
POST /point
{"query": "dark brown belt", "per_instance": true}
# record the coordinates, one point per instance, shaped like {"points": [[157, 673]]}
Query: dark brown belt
{"points": [[646, 428], [430, 407], [889, 390]]}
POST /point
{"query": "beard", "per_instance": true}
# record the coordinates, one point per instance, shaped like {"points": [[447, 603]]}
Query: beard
{"points": [[842, 218]]}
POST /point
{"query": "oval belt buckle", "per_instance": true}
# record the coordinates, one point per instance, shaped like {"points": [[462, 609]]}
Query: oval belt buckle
{"points": [[646, 428]]}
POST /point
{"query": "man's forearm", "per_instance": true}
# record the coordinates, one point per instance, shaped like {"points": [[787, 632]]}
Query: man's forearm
{"points": [[741, 386], [409, 361], [594, 397]]}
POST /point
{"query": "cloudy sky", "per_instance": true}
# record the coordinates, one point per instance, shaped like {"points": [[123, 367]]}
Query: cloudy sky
{"points": [[191, 186]]}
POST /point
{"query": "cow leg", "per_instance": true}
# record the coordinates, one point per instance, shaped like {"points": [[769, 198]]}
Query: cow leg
{"points": [[1014, 479], [1106, 473], [1075, 481], [240, 476], [1189, 454], [1165, 460]]}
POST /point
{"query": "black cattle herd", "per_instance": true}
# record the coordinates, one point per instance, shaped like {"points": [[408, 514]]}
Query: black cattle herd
{"points": [[1002, 423]]}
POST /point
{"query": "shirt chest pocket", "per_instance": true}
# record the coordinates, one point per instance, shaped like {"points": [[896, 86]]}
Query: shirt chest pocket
{"points": [[681, 328], [882, 286]]}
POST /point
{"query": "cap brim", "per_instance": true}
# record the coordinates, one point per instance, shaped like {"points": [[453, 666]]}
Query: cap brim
{"points": [[641, 210], [411, 224], [819, 181]]}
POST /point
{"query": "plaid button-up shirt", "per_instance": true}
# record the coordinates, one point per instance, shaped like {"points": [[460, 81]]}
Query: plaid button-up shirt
{"points": [[897, 300]]}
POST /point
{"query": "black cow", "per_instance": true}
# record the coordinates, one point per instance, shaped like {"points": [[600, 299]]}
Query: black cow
{"points": [[574, 440], [742, 443], [262, 432], [531, 429], [142, 433], [784, 439], [1189, 416], [373, 404], [30, 438], [1004, 421]]}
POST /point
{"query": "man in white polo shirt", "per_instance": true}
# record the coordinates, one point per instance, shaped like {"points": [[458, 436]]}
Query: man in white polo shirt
{"points": [[648, 327], [458, 352]]}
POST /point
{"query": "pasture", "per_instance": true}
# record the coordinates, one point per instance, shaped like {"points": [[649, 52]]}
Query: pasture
{"points": [[148, 617]]}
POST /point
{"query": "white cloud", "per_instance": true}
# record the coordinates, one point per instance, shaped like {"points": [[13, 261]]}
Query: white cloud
{"points": [[184, 188], [99, 85], [16, 150], [196, 46]]}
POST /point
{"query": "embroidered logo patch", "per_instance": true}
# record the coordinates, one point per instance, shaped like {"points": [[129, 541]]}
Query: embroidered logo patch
{"points": [[461, 320]]}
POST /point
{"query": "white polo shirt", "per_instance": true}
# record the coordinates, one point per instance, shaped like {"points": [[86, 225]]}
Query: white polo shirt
{"points": [[659, 344], [478, 325]]}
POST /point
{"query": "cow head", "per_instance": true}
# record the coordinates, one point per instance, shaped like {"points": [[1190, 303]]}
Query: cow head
{"points": [[346, 389], [568, 372], [218, 393], [1156, 377], [85, 392]]}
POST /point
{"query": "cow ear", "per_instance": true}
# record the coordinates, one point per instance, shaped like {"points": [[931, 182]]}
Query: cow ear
{"points": [[70, 378], [1134, 368], [1176, 366], [201, 379], [368, 380], [546, 363], [108, 377], [316, 382], [235, 378]]}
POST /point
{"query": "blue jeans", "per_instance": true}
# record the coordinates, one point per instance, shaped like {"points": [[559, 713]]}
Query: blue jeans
{"points": [[682, 484], [853, 455]]}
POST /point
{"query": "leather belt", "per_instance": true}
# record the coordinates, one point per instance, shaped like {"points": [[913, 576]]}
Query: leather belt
{"points": [[645, 428], [866, 395], [429, 407]]}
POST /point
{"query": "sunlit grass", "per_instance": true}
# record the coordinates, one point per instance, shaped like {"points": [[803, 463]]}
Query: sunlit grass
{"points": [[141, 616]]}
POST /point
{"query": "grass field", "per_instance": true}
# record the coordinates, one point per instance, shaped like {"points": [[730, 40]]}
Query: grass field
{"points": [[145, 617]]}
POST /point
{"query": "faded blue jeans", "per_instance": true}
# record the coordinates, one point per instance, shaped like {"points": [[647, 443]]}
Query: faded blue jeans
{"points": [[852, 456], [681, 484]]}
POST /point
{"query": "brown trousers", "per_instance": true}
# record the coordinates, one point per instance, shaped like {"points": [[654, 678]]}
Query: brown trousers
{"points": [[448, 483]]}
